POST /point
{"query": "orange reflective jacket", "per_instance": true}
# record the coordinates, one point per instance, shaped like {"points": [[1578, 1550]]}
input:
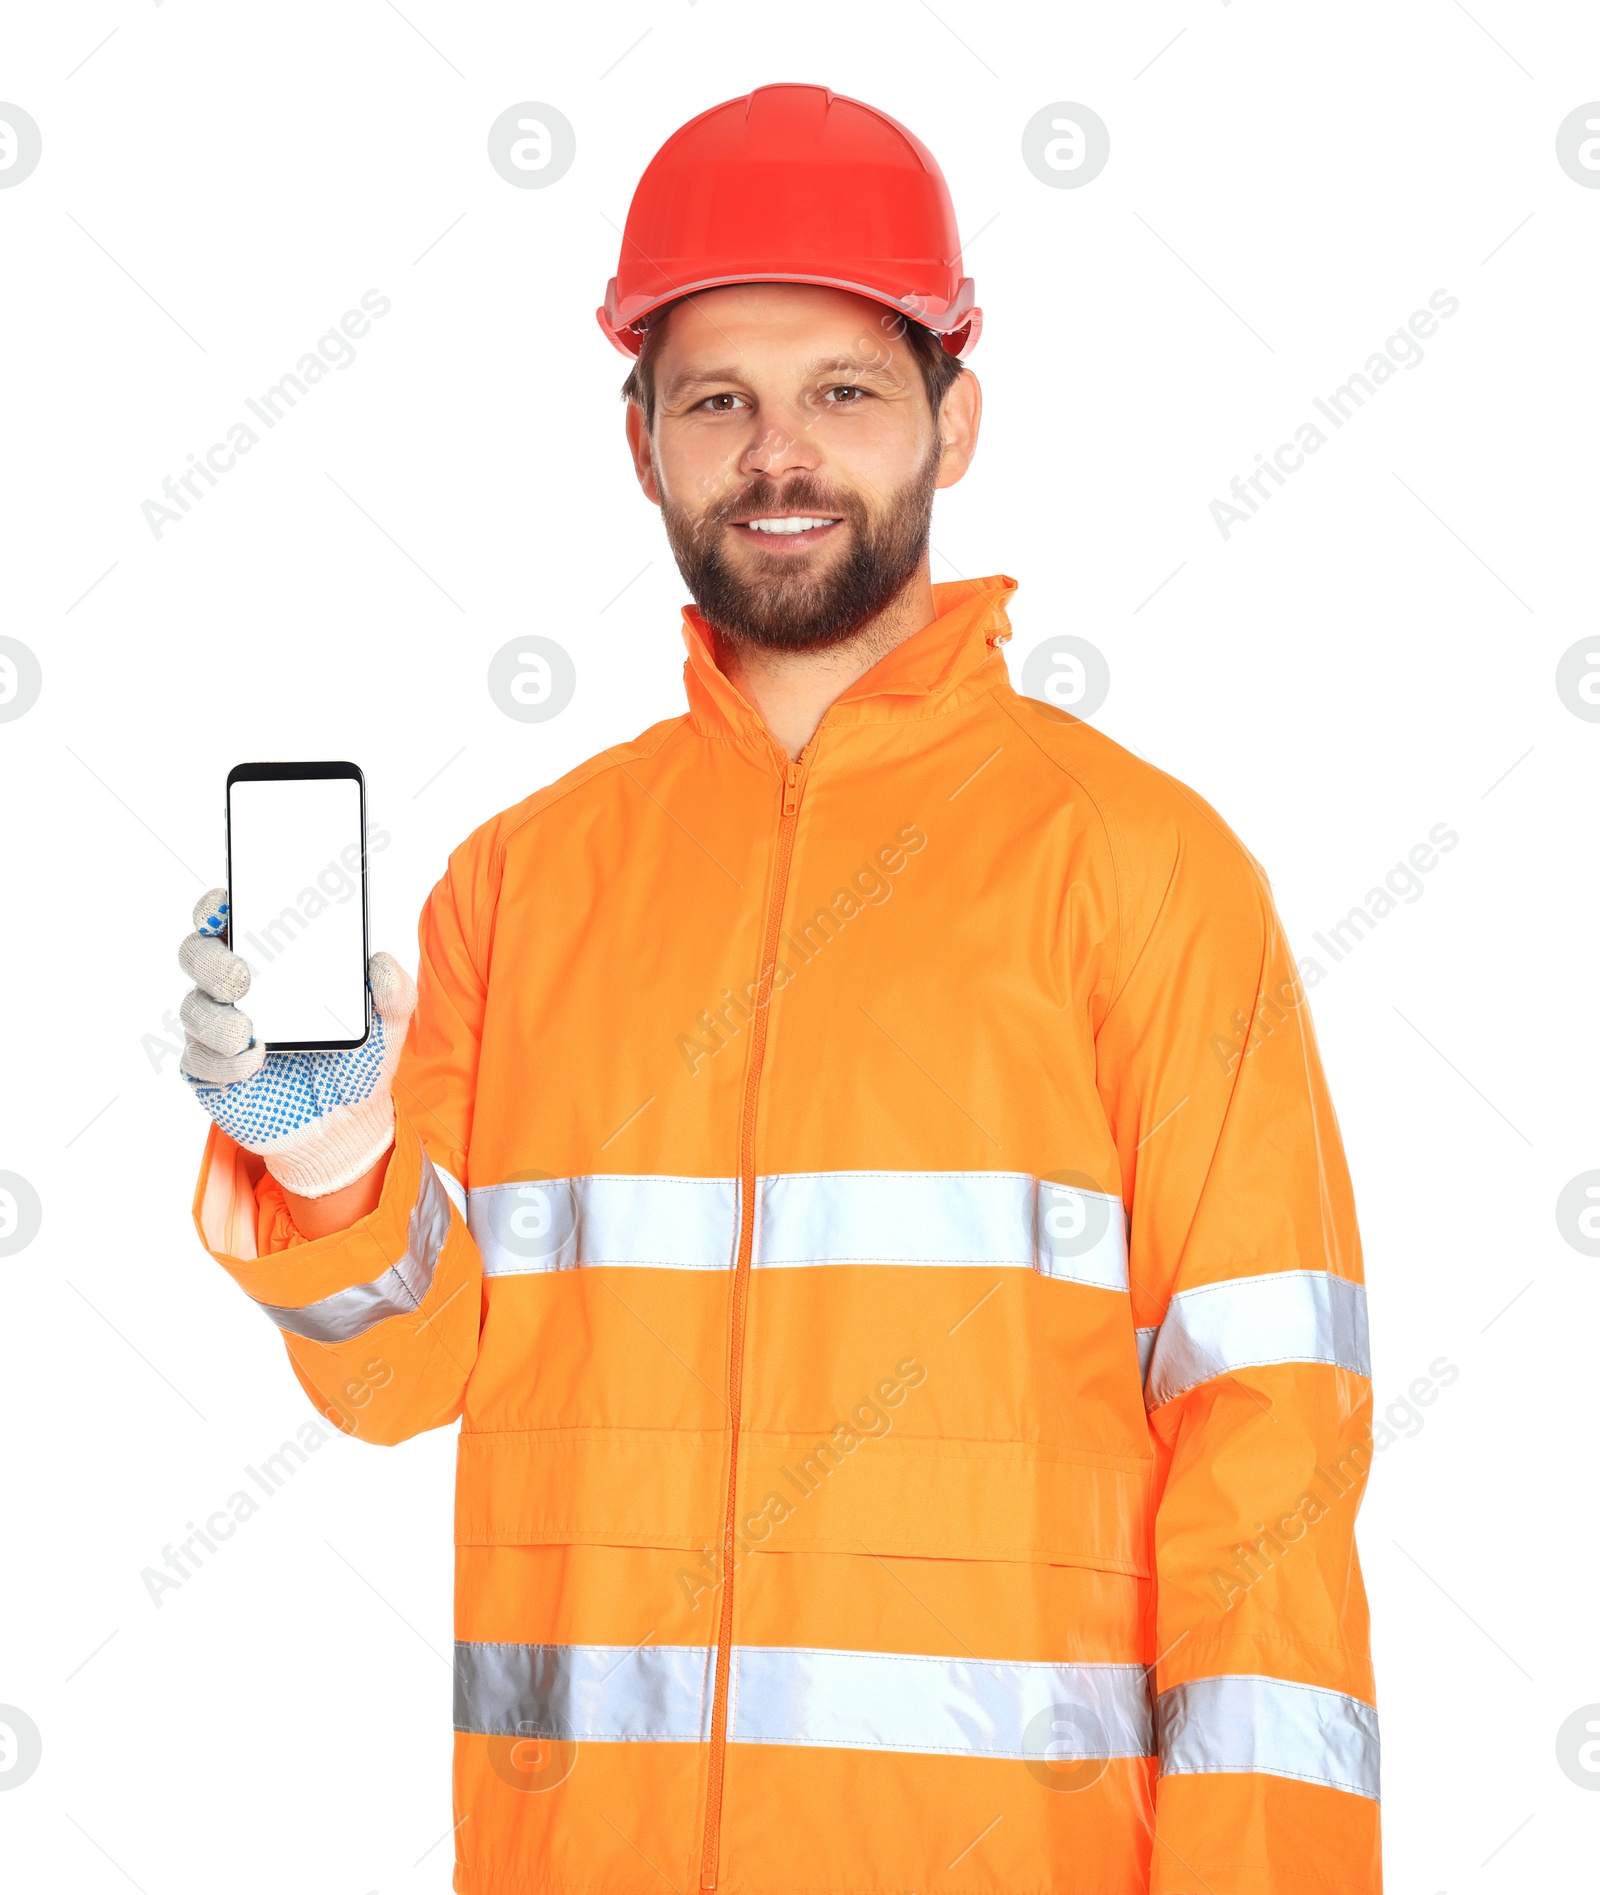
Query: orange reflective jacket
{"points": [[881, 1224]]}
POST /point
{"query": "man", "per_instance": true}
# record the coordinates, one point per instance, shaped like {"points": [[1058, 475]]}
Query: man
{"points": [[860, 1170]]}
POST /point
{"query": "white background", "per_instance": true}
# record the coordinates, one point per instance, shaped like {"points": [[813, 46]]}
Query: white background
{"points": [[1373, 654]]}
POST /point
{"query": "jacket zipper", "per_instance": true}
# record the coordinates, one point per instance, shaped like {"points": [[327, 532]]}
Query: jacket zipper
{"points": [[793, 778]]}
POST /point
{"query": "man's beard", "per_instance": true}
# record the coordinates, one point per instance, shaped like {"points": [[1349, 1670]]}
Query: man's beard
{"points": [[804, 611]]}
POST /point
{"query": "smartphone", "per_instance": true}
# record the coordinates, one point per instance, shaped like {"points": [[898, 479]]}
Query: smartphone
{"points": [[297, 902]]}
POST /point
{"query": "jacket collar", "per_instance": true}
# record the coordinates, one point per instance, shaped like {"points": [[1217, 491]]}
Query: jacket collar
{"points": [[912, 681]]}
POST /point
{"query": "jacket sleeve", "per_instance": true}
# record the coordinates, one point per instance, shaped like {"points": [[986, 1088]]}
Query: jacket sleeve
{"points": [[381, 1321], [1246, 1278]]}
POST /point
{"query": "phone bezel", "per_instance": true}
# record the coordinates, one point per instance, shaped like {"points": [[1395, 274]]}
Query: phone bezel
{"points": [[290, 773]]}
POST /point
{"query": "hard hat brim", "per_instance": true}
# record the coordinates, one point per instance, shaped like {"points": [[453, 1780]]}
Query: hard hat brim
{"points": [[959, 323]]}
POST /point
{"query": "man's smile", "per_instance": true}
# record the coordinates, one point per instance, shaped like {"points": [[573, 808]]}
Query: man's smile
{"points": [[786, 532]]}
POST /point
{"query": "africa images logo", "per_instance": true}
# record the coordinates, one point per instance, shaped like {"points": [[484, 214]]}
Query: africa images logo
{"points": [[1401, 350]]}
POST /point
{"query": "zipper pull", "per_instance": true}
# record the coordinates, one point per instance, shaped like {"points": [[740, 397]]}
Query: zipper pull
{"points": [[791, 789]]}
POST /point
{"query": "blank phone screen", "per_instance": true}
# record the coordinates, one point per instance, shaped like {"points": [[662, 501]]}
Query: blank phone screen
{"points": [[294, 881]]}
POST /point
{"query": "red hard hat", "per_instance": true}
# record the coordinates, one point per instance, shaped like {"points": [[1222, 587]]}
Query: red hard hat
{"points": [[794, 184]]}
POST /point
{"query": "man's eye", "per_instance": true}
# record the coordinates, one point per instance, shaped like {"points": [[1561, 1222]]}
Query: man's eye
{"points": [[844, 394], [720, 404]]}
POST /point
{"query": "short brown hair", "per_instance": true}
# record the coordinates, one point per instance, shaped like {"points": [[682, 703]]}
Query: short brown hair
{"points": [[938, 366]]}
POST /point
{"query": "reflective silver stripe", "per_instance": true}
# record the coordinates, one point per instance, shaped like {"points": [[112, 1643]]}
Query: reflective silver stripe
{"points": [[1249, 1722], [780, 1695], [565, 1223], [968, 1706], [1144, 1340], [1247, 1322], [605, 1693], [927, 1218], [995, 1219], [398, 1291]]}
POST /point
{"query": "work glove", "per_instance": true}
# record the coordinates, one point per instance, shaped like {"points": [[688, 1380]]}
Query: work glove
{"points": [[320, 1120]]}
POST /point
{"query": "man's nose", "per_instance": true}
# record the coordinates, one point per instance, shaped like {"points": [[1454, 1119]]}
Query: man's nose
{"points": [[782, 446]]}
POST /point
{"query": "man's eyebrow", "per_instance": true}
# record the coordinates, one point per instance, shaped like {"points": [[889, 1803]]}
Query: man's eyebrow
{"points": [[689, 378], [864, 367]]}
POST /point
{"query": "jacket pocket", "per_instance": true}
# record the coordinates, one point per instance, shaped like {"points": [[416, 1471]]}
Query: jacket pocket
{"points": [[589, 1486], [943, 1499]]}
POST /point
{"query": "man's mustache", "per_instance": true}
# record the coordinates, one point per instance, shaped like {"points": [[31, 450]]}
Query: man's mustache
{"points": [[800, 495]]}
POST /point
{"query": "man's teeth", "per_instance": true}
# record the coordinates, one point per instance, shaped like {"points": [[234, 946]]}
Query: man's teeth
{"points": [[790, 523]]}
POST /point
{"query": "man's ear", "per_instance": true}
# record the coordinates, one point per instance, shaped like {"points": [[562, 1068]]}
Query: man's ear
{"points": [[960, 414], [639, 448]]}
